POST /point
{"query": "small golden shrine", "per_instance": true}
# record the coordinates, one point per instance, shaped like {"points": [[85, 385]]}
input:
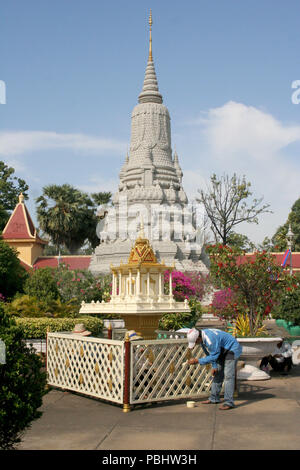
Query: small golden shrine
{"points": [[138, 291]]}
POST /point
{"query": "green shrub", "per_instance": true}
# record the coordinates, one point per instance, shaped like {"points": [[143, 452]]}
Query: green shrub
{"points": [[22, 384], [289, 306], [26, 306], [175, 321], [37, 327], [81, 285], [42, 285], [12, 274]]}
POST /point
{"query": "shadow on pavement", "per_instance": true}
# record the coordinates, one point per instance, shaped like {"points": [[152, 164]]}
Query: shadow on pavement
{"points": [[252, 393]]}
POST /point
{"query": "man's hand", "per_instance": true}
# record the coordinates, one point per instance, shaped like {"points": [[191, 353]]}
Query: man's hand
{"points": [[193, 361]]}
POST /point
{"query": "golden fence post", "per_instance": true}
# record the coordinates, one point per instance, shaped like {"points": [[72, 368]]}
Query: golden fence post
{"points": [[126, 405], [109, 331], [47, 331]]}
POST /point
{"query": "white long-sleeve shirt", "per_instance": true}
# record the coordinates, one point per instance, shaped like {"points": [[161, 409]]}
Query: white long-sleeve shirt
{"points": [[285, 351]]}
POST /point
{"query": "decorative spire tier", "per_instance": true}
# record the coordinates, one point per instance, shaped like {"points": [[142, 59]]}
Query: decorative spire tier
{"points": [[150, 93]]}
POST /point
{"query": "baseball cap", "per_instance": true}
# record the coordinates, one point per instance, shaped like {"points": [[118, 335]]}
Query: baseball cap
{"points": [[192, 337]]}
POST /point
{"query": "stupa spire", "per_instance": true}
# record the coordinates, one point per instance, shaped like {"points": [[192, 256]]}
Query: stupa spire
{"points": [[150, 93], [150, 58]]}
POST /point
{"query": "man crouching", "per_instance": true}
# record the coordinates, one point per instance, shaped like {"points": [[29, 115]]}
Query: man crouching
{"points": [[222, 352]]}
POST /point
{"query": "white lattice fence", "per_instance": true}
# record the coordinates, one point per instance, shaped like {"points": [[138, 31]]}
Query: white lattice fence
{"points": [[159, 371], [91, 366]]}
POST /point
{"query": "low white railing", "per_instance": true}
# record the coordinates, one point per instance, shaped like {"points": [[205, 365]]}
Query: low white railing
{"points": [[160, 371], [125, 372], [92, 366]]}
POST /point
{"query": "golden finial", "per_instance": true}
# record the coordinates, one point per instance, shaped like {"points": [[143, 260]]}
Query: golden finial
{"points": [[141, 234], [21, 198], [150, 39]]}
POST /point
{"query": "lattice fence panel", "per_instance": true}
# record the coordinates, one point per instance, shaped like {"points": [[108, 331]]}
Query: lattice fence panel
{"points": [[159, 371], [90, 366]]}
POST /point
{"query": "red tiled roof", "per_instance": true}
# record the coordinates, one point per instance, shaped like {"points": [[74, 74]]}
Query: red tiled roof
{"points": [[26, 266], [20, 225], [17, 226], [73, 262], [279, 257]]}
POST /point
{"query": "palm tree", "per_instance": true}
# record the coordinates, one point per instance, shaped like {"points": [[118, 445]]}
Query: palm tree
{"points": [[65, 213]]}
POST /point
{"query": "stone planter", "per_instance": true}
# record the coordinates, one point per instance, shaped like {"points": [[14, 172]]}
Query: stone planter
{"points": [[255, 349], [294, 330]]}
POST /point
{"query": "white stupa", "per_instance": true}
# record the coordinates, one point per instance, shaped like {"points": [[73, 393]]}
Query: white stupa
{"points": [[150, 186]]}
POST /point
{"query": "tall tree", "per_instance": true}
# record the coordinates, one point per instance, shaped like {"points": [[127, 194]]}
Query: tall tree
{"points": [[266, 245], [101, 198], [68, 216], [240, 241], [12, 273], [225, 202], [10, 189], [279, 239]]}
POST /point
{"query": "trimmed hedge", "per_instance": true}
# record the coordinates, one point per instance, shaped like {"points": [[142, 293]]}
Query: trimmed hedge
{"points": [[36, 328]]}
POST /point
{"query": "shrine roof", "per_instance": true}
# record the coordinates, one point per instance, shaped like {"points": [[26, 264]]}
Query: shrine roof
{"points": [[20, 225]]}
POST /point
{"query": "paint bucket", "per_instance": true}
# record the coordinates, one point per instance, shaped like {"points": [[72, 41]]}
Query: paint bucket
{"points": [[190, 404]]}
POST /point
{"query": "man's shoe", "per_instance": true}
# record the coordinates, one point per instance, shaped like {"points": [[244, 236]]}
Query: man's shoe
{"points": [[208, 402], [225, 407]]}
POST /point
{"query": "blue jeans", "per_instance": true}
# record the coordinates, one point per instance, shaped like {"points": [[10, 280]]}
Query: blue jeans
{"points": [[226, 373]]}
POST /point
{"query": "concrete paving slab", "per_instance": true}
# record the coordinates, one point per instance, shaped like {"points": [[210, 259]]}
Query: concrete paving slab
{"points": [[266, 416], [238, 439], [142, 438], [253, 420], [51, 398], [75, 438], [169, 417]]}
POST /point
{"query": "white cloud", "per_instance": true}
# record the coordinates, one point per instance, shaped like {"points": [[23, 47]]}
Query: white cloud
{"points": [[13, 143], [236, 130], [100, 183]]}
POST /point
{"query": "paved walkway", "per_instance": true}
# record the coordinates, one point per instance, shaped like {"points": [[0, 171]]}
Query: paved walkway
{"points": [[267, 416]]}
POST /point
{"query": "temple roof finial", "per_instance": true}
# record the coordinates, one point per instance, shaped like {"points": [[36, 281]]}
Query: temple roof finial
{"points": [[142, 233], [21, 198], [150, 93], [150, 58]]}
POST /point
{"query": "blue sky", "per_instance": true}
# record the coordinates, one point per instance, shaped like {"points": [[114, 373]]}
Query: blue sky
{"points": [[73, 70]]}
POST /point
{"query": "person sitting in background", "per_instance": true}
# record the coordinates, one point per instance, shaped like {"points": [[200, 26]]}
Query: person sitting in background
{"points": [[280, 360]]}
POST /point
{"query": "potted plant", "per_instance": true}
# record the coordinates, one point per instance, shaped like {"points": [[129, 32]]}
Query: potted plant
{"points": [[254, 286]]}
